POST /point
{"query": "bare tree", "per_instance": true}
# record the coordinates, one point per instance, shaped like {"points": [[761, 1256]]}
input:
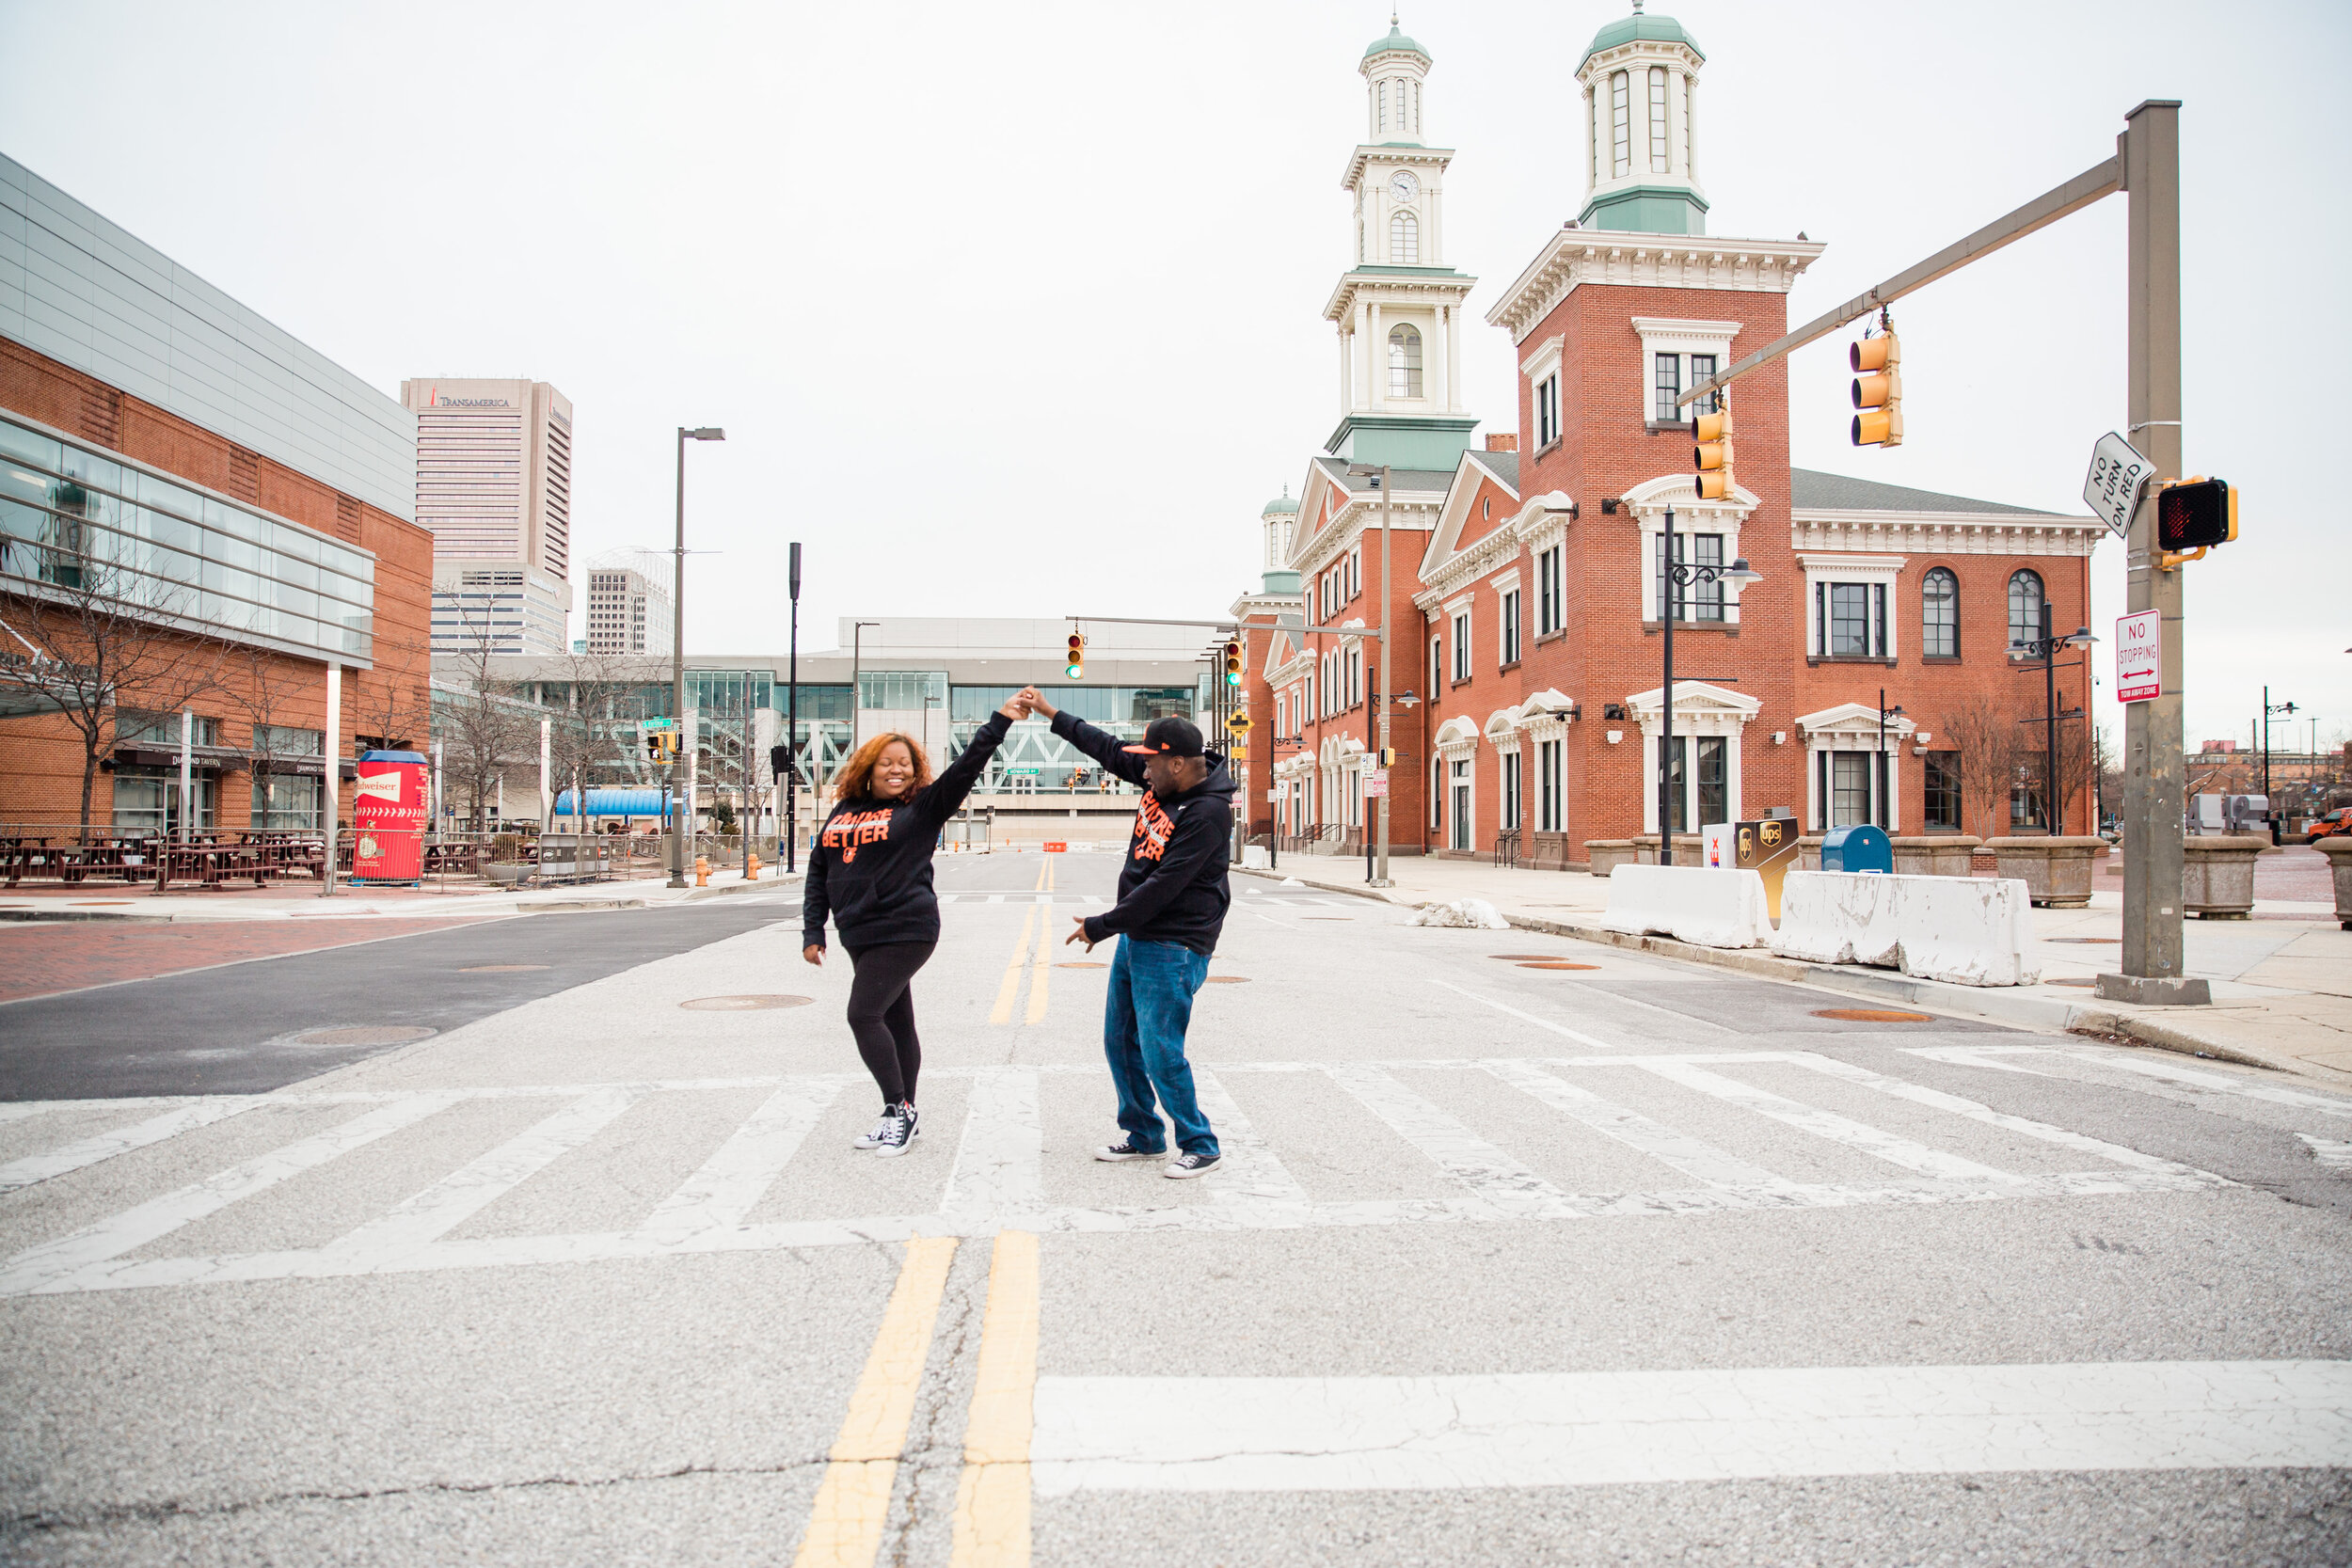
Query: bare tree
{"points": [[482, 727], [1985, 734], [105, 635], [588, 740], [391, 705]]}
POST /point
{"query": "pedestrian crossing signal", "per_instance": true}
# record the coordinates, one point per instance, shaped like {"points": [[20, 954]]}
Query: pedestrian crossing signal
{"points": [[2196, 514], [661, 747], [1232, 663], [1877, 390], [1711, 454], [1077, 667]]}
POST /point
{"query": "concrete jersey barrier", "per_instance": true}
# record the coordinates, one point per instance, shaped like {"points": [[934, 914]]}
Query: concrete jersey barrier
{"points": [[1967, 930], [1707, 905]]}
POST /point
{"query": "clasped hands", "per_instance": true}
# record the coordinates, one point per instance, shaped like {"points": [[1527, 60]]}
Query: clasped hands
{"points": [[1026, 703]]}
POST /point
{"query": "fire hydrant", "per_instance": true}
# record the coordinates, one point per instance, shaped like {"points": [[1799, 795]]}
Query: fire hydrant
{"points": [[751, 867], [702, 870]]}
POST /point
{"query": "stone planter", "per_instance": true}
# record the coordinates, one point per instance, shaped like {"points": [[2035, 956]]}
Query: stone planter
{"points": [[2056, 871], [1607, 854], [1934, 855], [2218, 875], [1690, 849], [1548, 851], [2339, 852], [1809, 852]]}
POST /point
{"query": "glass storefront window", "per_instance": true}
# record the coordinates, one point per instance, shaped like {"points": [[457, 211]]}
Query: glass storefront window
{"points": [[148, 799]]}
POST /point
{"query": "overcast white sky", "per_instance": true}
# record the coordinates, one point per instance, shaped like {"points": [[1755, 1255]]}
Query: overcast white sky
{"points": [[1015, 309]]}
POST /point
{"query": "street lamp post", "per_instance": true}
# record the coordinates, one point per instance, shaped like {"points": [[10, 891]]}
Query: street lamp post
{"points": [[792, 723], [1675, 574], [2271, 710], [2045, 648], [677, 651], [1377, 868], [857, 652]]}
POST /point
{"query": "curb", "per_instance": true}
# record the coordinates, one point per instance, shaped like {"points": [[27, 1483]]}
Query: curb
{"points": [[2031, 1011]]}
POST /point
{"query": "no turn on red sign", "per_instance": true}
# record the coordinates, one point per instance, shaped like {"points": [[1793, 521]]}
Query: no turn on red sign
{"points": [[2139, 657]]}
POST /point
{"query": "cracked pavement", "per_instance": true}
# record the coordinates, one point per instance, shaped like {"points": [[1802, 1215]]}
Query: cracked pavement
{"points": [[1646, 1264]]}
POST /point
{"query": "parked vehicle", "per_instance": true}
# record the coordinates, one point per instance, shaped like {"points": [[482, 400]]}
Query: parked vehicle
{"points": [[2336, 824]]}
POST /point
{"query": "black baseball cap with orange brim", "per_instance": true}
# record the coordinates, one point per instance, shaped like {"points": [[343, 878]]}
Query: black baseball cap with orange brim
{"points": [[1170, 738]]}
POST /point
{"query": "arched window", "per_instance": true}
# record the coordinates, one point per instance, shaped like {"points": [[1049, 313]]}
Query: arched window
{"points": [[1620, 128], [1658, 119], [1404, 241], [2024, 606], [1384, 105], [1405, 362], [1939, 615]]}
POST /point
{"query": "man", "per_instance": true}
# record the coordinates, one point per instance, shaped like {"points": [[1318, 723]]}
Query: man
{"points": [[1172, 898]]}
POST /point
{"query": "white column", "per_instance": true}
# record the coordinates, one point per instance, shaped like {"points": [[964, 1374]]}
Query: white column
{"points": [[332, 767], [1365, 354], [1379, 358], [188, 773], [1441, 364], [1452, 370], [1435, 255], [1347, 344], [547, 789]]}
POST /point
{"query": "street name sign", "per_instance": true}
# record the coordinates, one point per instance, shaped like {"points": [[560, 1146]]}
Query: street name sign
{"points": [[2138, 662], [2117, 475], [1021, 772], [652, 724]]}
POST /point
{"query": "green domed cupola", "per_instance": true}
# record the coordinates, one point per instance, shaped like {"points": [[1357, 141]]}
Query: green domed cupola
{"points": [[1641, 82], [1395, 40]]}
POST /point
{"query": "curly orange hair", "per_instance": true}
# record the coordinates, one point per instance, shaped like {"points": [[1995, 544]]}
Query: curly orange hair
{"points": [[856, 779]]}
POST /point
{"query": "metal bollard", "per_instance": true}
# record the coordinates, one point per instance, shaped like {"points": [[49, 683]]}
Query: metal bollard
{"points": [[702, 870]]}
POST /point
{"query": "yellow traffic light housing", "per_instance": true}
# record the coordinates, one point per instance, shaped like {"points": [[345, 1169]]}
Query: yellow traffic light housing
{"points": [[1077, 667], [1232, 663], [1711, 454], [2192, 517], [1877, 390]]}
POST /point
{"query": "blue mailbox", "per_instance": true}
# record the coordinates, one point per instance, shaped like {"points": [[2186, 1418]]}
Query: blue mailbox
{"points": [[1861, 848]]}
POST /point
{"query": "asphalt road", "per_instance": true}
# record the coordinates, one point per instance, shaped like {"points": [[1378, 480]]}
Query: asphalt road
{"points": [[1631, 1263]]}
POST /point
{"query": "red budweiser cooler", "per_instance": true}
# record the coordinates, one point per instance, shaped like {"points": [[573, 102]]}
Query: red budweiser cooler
{"points": [[387, 818]]}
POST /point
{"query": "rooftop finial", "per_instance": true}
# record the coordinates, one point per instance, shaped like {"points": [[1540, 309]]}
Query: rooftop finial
{"points": [[1392, 19], [1637, 7]]}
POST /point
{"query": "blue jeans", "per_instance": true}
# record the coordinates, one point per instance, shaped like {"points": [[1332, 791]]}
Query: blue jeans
{"points": [[1143, 1033]]}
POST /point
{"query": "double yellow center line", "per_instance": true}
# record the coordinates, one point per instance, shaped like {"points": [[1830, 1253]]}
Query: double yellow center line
{"points": [[1039, 921], [992, 1520]]}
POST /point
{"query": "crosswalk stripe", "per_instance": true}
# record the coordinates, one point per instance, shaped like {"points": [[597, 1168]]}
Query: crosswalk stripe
{"points": [[1700, 1161], [1254, 1183], [122, 1140], [1509, 1187], [1828, 1125], [740, 1172], [1594, 1429], [57, 1265], [1000, 1163], [1539, 1022], [465, 1191]]}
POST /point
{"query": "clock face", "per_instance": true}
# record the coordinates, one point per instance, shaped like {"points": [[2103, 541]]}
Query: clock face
{"points": [[1403, 187]]}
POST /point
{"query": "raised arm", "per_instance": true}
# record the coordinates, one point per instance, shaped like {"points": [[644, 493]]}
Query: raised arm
{"points": [[947, 792], [1104, 747]]}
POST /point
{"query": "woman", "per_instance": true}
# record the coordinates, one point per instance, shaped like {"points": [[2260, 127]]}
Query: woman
{"points": [[871, 870]]}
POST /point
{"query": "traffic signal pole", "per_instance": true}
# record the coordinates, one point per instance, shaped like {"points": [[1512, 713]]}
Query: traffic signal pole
{"points": [[2153, 807]]}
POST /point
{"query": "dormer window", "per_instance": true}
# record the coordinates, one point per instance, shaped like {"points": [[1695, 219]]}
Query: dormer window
{"points": [[1405, 362], [1404, 241]]}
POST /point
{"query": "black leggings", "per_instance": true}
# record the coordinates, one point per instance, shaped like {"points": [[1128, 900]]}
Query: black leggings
{"points": [[881, 1014]]}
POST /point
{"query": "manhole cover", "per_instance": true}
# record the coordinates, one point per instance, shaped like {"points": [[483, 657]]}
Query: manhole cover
{"points": [[1074, 964], [1228, 979], [743, 1004], [1872, 1015], [2110, 942], [2070, 982], [375, 1033], [498, 969], [1555, 963]]}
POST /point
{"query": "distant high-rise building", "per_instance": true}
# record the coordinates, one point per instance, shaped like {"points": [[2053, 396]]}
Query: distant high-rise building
{"points": [[494, 483], [628, 602]]}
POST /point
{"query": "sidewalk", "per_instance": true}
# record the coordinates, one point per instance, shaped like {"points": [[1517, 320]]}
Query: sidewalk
{"points": [[2282, 981], [103, 901]]}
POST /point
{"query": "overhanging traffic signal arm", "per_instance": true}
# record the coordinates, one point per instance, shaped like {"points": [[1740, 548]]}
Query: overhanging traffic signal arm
{"points": [[1877, 390], [2193, 515], [1232, 663], [1711, 454], [1077, 667]]}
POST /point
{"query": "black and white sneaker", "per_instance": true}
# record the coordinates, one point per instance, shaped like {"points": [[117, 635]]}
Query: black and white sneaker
{"points": [[1187, 1165], [1125, 1149], [898, 1130], [873, 1139]]}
